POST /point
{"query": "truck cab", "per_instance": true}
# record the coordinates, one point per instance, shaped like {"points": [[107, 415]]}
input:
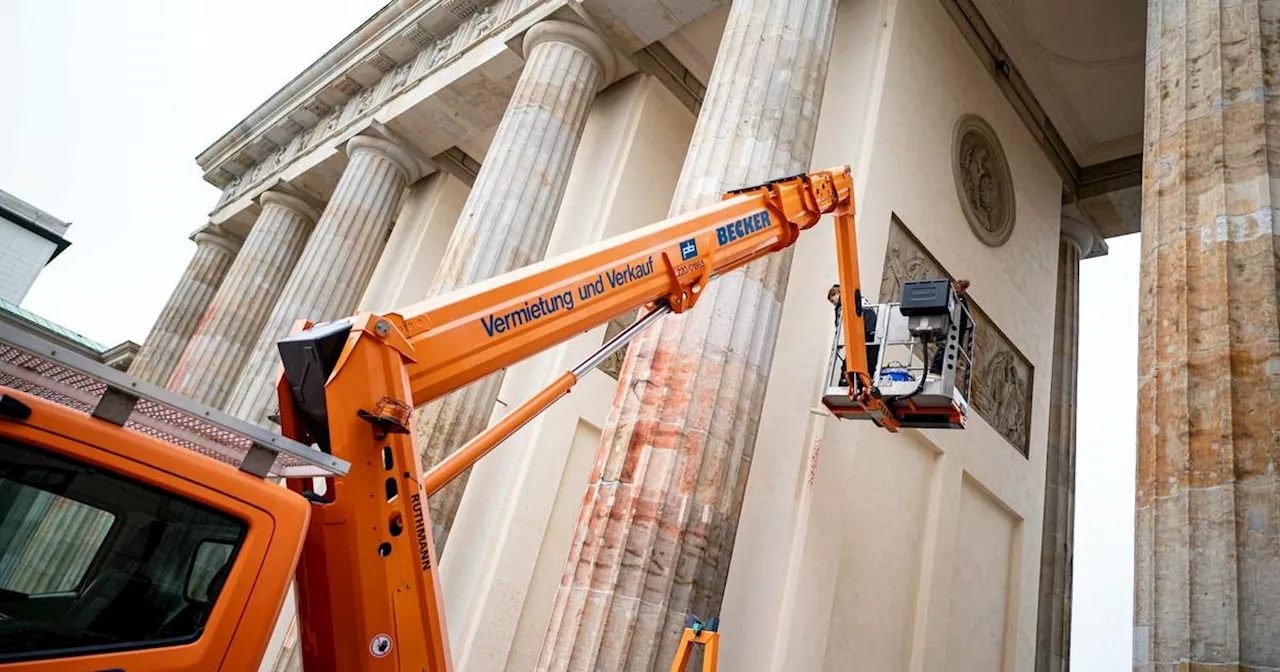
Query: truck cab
{"points": [[121, 551]]}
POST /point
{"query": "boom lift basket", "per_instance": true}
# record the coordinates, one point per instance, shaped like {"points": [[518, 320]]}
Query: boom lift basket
{"points": [[919, 356]]}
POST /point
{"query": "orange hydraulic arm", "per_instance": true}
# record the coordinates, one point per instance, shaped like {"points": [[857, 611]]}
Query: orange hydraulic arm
{"points": [[368, 589], [486, 327], [665, 265]]}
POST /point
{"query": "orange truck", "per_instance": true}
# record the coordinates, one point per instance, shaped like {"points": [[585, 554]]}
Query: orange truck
{"points": [[141, 531]]}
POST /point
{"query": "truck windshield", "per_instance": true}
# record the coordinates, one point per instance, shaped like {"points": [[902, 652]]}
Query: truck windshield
{"points": [[93, 561]]}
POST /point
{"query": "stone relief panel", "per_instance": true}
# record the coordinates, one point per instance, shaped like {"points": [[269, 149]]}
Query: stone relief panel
{"points": [[1002, 376], [983, 181]]}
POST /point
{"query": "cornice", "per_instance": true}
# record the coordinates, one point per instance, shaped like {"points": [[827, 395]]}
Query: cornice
{"points": [[255, 170], [323, 70], [392, 45]]}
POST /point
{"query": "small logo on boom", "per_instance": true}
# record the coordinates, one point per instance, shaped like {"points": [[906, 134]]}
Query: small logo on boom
{"points": [[688, 249]]}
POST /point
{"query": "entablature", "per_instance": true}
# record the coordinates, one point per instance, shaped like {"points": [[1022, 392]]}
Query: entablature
{"points": [[435, 75]]}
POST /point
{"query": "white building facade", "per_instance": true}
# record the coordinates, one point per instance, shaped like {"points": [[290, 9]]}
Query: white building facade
{"points": [[29, 239]]}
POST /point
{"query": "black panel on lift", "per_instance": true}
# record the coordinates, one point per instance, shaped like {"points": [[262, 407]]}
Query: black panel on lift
{"points": [[309, 357], [926, 297]]}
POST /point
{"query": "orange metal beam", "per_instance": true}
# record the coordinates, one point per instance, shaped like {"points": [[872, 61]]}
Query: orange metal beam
{"points": [[491, 325]]}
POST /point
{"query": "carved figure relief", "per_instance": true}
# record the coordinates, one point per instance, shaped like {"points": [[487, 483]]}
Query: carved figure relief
{"points": [[983, 182], [999, 372], [485, 19], [402, 76], [1002, 376], [442, 48], [276, 158]]}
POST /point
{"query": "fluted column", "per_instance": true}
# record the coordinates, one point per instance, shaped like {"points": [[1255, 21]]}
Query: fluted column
{"points": [[1207, 538], [48, 541], [1053, 630], [229, 328], [336, 264], [215, 250], [507, 220], [658, 521]]}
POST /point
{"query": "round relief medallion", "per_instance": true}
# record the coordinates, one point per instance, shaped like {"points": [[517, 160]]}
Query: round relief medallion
{"points": [[983, 182]]}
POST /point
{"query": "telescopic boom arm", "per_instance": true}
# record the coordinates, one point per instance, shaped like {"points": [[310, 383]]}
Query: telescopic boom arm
{"points": [[665, 266], [486, 327]]}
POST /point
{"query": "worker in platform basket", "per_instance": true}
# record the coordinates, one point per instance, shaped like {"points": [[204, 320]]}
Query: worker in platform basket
{"points": [[868, 323]]}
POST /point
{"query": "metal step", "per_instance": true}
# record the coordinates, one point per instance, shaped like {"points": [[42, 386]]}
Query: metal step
{"points": [[31, 364]]}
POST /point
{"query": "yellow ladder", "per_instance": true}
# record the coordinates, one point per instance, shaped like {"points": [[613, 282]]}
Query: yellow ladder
{"points": [[698, 633]]}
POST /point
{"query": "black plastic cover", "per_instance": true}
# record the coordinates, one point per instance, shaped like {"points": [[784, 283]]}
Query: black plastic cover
{"points": [[309, 357], [12, 407], [770, 183], [926, 297]]}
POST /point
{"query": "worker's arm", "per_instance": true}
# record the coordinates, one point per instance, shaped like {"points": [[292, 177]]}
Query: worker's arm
{"points": [[486, 327]]}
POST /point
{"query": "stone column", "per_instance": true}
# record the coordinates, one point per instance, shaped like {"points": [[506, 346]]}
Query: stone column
{"points": [[336, 264], [229, 328], [507, 220], [1207, 538], [1053, 631], [413, 253], [215, 250], [657, 525]]}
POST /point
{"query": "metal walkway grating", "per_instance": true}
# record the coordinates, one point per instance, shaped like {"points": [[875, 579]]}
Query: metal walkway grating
{"points": [[39, 368]]}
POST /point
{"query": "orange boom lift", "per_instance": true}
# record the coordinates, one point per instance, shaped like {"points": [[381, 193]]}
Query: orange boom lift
{"points": [[191, 560]]}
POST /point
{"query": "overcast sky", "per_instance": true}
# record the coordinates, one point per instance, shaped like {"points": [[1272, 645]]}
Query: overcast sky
{"points": [[1101, 619], [108, 103]]}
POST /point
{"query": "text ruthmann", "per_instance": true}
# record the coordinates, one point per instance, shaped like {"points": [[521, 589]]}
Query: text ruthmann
{"points": [[543, 306], [420, 528]]}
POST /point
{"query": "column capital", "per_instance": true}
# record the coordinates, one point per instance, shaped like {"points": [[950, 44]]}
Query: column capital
{"points": [[579, 36], [212, 234], [392, 151], [1079, 234], [291, 202]]}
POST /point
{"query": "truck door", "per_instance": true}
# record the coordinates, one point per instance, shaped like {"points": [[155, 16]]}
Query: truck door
{"points": [[118, 552]]}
